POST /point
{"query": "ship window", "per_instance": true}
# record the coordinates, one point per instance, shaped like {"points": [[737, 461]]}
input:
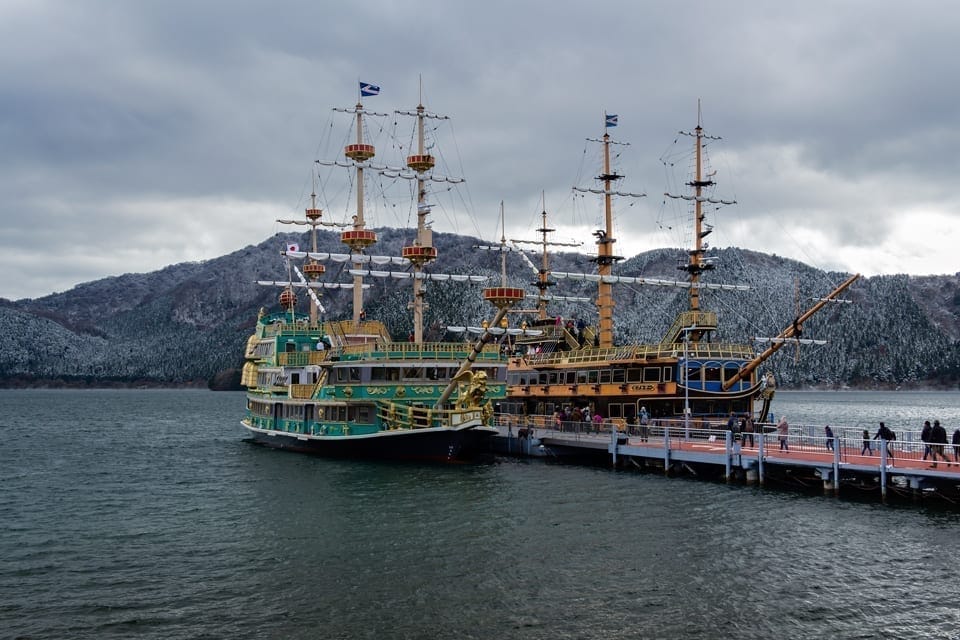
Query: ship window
{"points": [[615, 411], [651, 374], [378, 374], [667, 374], [592, 377], [354, 374], [634, 375], [571, 377], [619, 375], [341, 374], [554, 377], [581, 377], [364, 413], [542, 379], [413, 373], [605, 376], [712, 374], [693, 372], [730, 370]]}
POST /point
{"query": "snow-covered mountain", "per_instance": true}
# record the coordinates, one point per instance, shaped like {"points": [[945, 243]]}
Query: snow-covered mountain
{"points": [[188, 323]]}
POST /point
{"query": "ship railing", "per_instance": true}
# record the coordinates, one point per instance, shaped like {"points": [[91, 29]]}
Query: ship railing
{"points": [[706, 320], [301, 391], [301, 358], [290, 328], [346, 328], [405, 416], [642, 352], [414, 351]]}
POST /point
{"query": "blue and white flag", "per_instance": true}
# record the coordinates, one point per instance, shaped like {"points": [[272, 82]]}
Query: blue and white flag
{"points": [[611, 120], [367, 89]]}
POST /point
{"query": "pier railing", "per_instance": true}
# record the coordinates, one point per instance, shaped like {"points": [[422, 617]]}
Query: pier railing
{"points": [[847, 446]]}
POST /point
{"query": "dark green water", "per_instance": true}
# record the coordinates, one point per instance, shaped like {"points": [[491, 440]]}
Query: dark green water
{"points": [[144, 514]]}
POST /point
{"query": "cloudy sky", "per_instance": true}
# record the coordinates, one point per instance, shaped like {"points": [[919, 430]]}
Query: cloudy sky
{"points": [[134, 135]]}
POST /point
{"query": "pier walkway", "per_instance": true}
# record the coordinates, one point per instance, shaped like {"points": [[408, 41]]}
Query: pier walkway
{"points": [[676, 447]]}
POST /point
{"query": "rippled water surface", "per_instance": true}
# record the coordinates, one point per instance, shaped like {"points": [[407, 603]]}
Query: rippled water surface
{"points": [[144, 514]]}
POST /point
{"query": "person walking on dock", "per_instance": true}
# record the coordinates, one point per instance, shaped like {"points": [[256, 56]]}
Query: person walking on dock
{"points": [[783, 430], [885, 434], [925, 438], [748, 431], [867, 448], [938, 439], [828, 432]]}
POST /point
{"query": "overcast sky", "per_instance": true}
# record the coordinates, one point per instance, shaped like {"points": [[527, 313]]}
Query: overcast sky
{"points": [[134, 135]]}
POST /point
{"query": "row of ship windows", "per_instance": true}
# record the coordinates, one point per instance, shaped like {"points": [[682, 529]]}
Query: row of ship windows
{"points": [[311, 412], [593, 376], [403, 374], [697, 372]]}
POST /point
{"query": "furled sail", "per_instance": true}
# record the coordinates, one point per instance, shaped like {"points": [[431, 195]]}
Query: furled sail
{"points": [[402, 275]]}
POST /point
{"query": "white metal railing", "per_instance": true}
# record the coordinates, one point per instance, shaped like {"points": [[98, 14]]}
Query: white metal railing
{"points": [[848, 445]]}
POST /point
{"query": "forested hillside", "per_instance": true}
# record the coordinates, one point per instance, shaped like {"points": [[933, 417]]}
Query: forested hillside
{"points": [[187, 323]]}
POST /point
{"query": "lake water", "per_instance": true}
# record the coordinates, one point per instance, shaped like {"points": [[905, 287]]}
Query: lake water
{"points": [[144, 514]]}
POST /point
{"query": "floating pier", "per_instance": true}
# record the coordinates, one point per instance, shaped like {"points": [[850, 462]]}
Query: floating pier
{"points": [[804, 461]]}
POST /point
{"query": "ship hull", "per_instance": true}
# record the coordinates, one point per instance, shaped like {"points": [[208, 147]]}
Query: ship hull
{"points": [[447, 445]]}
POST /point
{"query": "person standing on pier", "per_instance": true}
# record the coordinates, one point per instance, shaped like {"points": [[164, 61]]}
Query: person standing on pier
{"points": [[748, 431], [783, 430], [867, 444], [644, 424], [828, 432], [956, 445], [925, 438], [886, 435], [938, 439]]}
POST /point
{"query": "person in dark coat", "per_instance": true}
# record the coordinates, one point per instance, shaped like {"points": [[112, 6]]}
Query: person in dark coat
{"points": [[886, 435], [867, 444], [956, 445], [828, 432], [925, 438], [938, 439]]}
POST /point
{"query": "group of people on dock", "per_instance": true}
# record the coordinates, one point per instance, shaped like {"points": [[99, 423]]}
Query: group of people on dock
{"points": [[933, 436], [934, 440], [593, 420], [742, 429]]}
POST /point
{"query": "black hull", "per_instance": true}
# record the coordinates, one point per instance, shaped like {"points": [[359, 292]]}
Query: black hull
{"points": [[433, 445]]}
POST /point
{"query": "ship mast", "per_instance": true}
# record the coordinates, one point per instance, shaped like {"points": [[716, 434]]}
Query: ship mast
{"points": [[359, 237], [605, 258], [422, 251], [697, 263], [543, 276], [543, 281], [313, 269]]}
